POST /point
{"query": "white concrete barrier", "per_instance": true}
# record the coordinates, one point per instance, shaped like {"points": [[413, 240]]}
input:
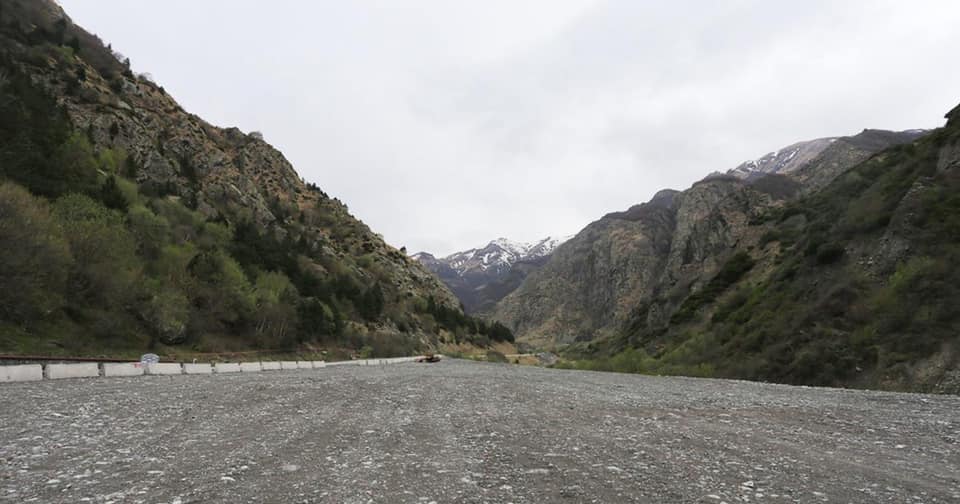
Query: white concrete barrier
{"points": [[250, 367], [112, 369], [76, 370], [197, 368], [21, 372], [226, 367], [34, 372], [164, 368]]}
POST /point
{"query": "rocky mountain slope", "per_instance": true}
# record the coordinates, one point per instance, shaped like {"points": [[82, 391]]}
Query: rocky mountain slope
{"points": [[482, 276], [852, 285], [162, 229], [675, 243]]}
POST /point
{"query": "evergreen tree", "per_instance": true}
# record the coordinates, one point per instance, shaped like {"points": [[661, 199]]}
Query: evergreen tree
{"points": [[111, 196]]}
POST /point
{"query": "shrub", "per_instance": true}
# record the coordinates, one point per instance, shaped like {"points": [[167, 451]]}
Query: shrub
{"points": [[495, 356]]}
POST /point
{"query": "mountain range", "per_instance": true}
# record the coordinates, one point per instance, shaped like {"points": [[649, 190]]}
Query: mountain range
{"points": [[480, 277], [129, 224]]}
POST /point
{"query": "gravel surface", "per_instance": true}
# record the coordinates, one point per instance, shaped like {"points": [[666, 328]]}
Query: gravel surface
{"points": [[460, 431]]}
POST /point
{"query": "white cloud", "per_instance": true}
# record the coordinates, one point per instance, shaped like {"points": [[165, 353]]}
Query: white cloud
{"points": [[445, 124]]}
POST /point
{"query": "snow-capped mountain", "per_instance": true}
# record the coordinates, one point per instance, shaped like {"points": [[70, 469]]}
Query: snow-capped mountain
{"points": [[482, 276], [500, 254], [784, 160], [791, 159]]}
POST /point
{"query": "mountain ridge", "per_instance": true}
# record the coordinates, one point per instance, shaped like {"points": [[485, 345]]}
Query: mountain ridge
{"points": [[837, 273], [481, 276], [592, 283]]}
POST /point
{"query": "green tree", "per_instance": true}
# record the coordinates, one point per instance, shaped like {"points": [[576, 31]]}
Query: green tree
{"points": [[151, 231], [36, 257], [371, 303], [111, 196], [317, 320], [276, 314], [167, 313], [222, 293], [106, 267]]}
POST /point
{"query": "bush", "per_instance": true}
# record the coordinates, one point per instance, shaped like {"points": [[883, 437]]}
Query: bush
{"points": [[495, 356]]}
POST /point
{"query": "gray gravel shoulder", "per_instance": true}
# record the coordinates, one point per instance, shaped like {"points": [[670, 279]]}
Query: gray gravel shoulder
{"points": [[460, 431]]}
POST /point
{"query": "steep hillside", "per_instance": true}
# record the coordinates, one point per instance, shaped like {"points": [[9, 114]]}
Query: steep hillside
{"points": [[481, 277], [130, 223], [853, 285], [653, 254]]}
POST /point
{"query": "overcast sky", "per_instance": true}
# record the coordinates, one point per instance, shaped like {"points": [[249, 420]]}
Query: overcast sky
{"points": [[445, 124]]}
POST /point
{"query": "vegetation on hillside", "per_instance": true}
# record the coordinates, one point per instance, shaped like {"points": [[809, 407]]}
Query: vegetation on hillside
{"points": [[94, 262], [862, 287]]}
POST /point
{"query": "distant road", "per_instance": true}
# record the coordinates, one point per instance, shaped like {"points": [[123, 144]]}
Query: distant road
{"points": [[460, 431]]}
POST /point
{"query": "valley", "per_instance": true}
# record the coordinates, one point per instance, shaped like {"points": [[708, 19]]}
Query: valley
{"points": [[186, 317]]}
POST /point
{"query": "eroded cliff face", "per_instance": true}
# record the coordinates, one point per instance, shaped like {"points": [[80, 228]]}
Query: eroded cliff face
{"points": [[593, 283], [645, 261]]}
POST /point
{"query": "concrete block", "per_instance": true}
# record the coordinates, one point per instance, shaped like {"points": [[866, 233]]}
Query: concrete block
{"points": [[226, 367], [270, 365], [76, 370], [285, 365], [164, 368], [112, 369], [317, 364], [250, 367], [197, 368], [304, 364], [21, 372]]}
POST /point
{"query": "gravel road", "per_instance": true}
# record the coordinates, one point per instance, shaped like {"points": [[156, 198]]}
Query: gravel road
{"points": [[460, 431]]}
